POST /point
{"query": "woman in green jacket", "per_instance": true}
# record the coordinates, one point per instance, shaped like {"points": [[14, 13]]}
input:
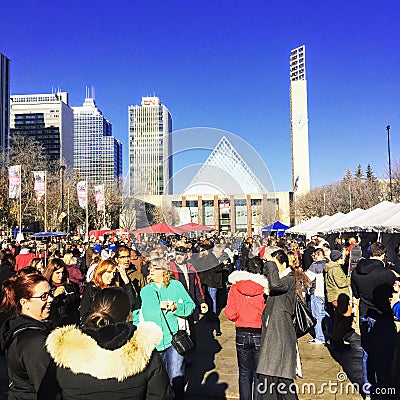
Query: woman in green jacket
{"points": [[164, 295]]}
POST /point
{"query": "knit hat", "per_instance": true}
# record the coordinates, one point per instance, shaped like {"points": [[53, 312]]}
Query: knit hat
{"points": [[335, 255]]}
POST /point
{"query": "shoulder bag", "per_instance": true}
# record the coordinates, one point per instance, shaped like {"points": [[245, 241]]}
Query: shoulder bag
{"points": [[303, 320], [180, 340]]}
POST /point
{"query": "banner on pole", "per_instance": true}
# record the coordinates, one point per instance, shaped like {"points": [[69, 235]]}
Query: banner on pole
{"points": [[99, 197], [81, 189], [39, 184], [14, 181]]}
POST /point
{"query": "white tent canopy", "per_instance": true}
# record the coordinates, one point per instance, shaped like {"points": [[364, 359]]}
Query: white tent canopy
{"points": [[309, 227], [335, 227], [298, 228], [392, 223], [373, 218], [330, 222], [383, 217]]}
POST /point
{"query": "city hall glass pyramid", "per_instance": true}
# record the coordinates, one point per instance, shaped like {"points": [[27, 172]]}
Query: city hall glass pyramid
{"points": [[225, 172]]}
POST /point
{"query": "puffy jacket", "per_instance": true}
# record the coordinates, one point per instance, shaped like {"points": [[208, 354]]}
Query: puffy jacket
{"points": [[113, 362], [246, 299]]}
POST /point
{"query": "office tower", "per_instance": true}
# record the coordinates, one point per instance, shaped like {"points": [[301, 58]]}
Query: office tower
{"points": [[48, 119], [299, 121], [150, 145], [97, 154], [4, 107]]}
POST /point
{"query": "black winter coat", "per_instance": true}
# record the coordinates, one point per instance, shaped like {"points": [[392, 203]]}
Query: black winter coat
{"points": [[372, 283], [212, 271], [23, 339], [114, 362], [65, 307]]}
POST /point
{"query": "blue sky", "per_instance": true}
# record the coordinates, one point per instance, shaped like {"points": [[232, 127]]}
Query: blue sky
{"points": [[224, 64]]}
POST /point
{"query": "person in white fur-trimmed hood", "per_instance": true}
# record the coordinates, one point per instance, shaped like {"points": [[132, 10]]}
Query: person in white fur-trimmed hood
{"points": [[245, 305], [109, 358]]}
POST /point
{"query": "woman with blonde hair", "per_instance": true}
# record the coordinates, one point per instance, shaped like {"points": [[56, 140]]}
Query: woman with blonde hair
{"points": [[163, 295], [106, 274]]}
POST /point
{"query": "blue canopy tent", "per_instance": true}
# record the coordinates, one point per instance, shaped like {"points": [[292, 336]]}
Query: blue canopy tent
{"points": [[48, 234], [277, 226]]}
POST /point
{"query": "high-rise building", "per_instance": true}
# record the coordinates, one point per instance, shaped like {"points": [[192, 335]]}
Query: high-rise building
{"points": [[48, 119], [4, 107], [299, 121], [97, 154], [150, 147]]}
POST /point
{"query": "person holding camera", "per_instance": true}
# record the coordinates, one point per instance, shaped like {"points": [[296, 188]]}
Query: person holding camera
{"points": [[163, 301], [65, 307]]}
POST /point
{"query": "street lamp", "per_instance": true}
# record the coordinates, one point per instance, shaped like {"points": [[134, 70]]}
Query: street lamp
{"points": [[62, 169], [390, 165]]}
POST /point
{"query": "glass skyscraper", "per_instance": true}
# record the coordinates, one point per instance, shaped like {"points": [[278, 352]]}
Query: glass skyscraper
{"points": [[97, 154], [150, 147]]}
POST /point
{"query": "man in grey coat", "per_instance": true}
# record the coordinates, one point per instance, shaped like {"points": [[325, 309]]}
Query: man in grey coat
{"points": [[277, 362]]}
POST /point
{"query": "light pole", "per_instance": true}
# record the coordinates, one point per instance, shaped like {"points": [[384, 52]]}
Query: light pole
{"points": [[390, 164], [62, 169]]}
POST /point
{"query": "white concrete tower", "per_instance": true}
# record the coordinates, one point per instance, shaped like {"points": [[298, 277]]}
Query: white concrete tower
{"points": [[299, 121]]}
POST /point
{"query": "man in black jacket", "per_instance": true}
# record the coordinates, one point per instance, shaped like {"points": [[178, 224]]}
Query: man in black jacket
{"points": [[211, 277], [372, 283]]}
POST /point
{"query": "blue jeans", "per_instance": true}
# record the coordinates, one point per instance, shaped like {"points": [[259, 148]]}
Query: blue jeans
{"points": [[378, 343], [248, 351], [238, 264], [213, 294], [318, 310], [175, 366]]}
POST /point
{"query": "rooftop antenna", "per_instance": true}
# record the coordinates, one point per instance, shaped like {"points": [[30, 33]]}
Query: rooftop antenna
{"points": [[93, 93]]}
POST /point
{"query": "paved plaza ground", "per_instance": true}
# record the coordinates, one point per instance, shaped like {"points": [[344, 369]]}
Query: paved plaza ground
{"points": [[327, 375]]}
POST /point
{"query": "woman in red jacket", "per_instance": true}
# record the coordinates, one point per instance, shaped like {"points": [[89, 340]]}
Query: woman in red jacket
{"points": [[245, 306]]}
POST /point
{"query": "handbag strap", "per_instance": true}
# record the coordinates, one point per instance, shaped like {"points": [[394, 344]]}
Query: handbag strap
{"points": [[165, 318]]}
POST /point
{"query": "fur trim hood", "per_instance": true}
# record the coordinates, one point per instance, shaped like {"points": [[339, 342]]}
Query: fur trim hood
{"points": [[238, 276], [71, 348]]}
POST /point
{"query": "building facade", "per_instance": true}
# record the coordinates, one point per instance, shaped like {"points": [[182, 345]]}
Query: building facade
{"points": [[97, 154], [247, 213], [48, 119], [150, 147], [4, 107], [299, 121]]}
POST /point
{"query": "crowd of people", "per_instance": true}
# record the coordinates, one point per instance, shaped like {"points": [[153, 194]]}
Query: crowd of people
{"points": [[97, 320]]}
